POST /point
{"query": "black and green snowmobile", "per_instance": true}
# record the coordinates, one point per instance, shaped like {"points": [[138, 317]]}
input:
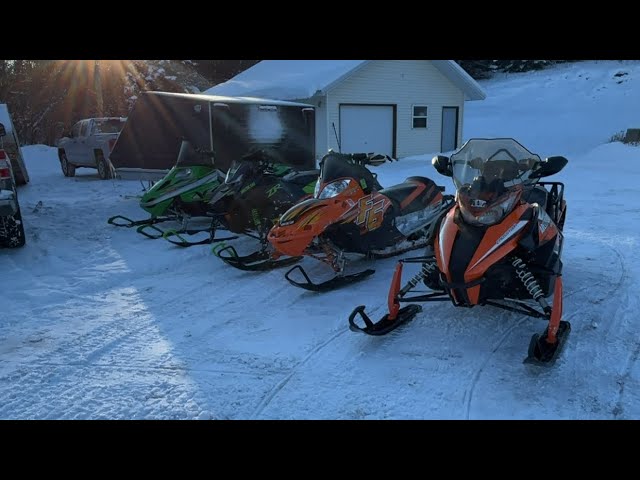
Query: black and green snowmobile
{"points": [[258, 189], [182, 194]]}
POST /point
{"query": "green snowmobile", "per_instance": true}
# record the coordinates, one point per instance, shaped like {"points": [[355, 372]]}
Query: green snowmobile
{"points": [[257, 190], [182, 194]]}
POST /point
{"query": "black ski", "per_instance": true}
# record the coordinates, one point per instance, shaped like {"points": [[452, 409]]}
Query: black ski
{"points": [[336, 282], [256, 261], [384, 325], [543, 353], [127, 222]]}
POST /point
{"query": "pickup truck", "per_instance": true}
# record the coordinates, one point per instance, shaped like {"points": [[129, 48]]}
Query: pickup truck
{"points": [[89, 145], [11, 228]]}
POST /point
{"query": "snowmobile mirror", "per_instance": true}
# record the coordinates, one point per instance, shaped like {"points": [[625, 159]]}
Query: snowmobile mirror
{"points": [[442, 165], [549, 166], [3, 132]]}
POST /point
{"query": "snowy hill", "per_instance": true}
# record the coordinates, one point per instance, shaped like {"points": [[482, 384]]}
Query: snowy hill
{"points": [[101, 322]]}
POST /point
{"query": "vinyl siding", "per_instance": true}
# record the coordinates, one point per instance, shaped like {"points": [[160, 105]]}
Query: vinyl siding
{"points": [[404, 83]]}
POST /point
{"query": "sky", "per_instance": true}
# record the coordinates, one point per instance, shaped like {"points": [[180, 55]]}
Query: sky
{"points": [[101, 323]]}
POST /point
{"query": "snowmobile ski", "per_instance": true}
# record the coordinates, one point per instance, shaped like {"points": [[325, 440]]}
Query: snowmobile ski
{"points": [[256, 261], [184, 242], [544, 353], [336, 282], [386, 324], [122, 221]]}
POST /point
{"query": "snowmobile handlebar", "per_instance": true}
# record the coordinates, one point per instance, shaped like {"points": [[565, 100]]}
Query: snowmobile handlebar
{"points": [[371, 158]]}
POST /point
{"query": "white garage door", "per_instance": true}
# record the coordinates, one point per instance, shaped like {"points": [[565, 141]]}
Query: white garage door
{"points": [[365, 128]]}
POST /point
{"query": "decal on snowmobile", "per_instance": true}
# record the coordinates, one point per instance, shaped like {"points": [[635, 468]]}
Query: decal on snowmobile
{"points": [[511, 231], [247, 188], [273, 190], [371, 211], [544, 220], [179, 189]]}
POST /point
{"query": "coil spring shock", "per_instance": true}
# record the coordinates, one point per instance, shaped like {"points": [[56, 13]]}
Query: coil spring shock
{"points": [[427, 269], [529, 281]]}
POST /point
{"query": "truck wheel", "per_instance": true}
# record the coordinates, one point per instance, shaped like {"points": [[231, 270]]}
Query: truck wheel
{"points": [[12, 231], [67, 169], [103, 167]]}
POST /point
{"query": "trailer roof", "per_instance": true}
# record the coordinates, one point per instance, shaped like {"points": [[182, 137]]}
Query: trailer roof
{"points": [[222, 99]]}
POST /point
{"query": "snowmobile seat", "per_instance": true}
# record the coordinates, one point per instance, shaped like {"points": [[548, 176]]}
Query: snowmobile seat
{"points": [[399, 194], [538, 195], [335, 166]]}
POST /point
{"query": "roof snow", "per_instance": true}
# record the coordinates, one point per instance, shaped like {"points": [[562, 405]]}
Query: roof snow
{"points": [[285, 79], [301, 79]]}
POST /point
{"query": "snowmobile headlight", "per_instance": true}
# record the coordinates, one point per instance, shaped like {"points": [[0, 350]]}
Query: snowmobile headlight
{"points": [[333, 189], [491, 215]]}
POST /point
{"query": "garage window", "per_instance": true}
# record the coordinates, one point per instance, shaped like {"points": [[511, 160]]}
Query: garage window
{"points": [[419, 116]]}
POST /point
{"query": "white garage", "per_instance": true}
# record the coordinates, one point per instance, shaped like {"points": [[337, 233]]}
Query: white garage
{"points": [[397, 107]]}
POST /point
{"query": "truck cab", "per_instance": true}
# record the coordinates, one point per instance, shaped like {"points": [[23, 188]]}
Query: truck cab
{"points": [[89, 145]]}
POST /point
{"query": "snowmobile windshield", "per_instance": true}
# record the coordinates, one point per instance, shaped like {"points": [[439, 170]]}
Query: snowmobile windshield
{"points": [[188, 156], [238, 171], [489, 176], [501, 163]]}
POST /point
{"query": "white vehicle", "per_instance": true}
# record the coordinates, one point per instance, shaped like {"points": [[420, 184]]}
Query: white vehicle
{"points": [[89, 145]]}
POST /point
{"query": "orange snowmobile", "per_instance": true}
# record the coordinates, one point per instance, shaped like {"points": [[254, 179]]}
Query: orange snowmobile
{"points": [[500, 245], [352, 213]]}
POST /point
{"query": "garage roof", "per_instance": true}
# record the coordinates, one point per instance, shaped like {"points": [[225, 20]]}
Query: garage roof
{"points": [[302, 79]]}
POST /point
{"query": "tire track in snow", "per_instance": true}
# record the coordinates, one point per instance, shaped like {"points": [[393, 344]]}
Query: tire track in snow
{"points": [[629, 310], [470, 391], [266, 401], [619, 408]]}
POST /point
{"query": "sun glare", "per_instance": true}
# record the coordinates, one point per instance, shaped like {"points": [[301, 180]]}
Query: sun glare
{"points": [[88, 78]]}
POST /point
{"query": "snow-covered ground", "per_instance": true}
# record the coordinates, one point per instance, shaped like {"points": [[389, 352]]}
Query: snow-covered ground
{"points": [[100, 322]]}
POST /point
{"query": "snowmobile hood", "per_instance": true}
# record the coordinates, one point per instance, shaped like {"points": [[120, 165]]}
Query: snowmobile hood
{"points": [[224, 190], [299, 225], [179, 181]]}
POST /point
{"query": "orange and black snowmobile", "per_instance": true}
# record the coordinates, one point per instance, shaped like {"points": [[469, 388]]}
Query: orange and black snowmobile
{"points": [[500, 245], [352, 213]]}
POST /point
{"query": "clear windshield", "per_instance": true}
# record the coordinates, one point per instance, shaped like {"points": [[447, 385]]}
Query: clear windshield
{"points": [[112, 125], [189, 157], [497, 163], [239, 170], [489, 175]]}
